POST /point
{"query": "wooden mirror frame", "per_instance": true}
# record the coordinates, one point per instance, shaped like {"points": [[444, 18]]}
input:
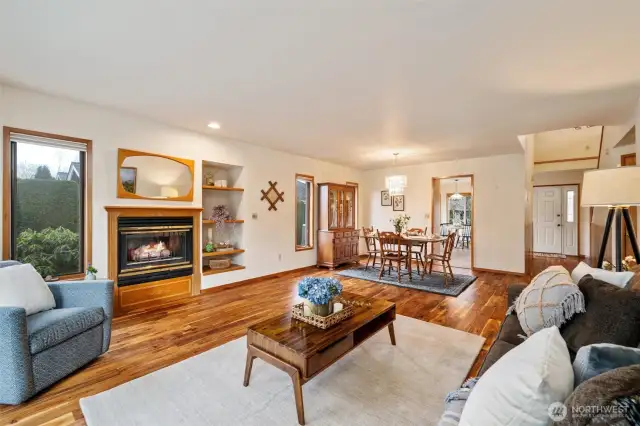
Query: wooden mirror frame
{"points": [[123, 154]]}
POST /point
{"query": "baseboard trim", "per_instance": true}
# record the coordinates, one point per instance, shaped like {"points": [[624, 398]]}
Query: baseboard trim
{"points": [[499, 271], [257, 279]]}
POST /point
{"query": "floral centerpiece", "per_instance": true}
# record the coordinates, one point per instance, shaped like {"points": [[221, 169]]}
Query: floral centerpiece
{"points": [[318, 293], [400, 222]]}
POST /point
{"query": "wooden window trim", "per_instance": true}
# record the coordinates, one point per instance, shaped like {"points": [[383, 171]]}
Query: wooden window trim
{"points": [[311, 208], [6, 188], [464, 194]]}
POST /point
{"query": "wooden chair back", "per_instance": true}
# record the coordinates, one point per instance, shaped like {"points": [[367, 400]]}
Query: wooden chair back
{"points": [[390, 244], [448, 246], [369, 239], [417, 231]]}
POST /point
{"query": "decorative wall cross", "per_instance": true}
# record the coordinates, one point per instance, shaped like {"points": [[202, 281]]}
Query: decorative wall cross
{"points": [[272, 195]]}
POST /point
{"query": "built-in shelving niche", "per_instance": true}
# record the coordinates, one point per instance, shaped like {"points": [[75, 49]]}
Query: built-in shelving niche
{"points": [[231, 196]]}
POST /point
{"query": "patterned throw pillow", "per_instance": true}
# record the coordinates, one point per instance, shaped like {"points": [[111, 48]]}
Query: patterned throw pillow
{"points": [[551, 299]]}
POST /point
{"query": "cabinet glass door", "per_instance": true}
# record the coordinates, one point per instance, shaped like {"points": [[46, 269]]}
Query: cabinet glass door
{"points": [[334, 214], [349, 197]]}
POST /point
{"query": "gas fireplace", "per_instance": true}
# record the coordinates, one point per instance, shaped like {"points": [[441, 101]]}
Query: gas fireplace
{"points": [[154, 248]]}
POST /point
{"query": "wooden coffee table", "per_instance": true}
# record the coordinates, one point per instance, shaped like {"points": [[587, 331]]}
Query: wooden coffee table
{"points": [[303, 351]]}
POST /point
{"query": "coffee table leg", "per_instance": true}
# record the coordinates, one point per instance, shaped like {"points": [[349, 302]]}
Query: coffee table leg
{"points": [[392, 334], [247, 368], [297, 390]]}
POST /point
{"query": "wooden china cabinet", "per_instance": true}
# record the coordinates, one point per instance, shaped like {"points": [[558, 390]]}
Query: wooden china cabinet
{"points": [[337, 234]]}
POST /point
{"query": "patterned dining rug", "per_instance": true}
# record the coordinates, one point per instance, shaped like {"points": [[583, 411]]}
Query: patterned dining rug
{"points": [[433, 283]]}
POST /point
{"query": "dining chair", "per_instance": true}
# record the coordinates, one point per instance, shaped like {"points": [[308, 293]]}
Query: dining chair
{"points": [[465, 238], [391, 252], [444, 230], [444, 258], [417, 249], [372, 250]]}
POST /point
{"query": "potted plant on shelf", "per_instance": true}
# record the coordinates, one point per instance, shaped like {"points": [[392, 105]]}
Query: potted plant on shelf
{"points": [[400, 223], [318, 293], [91, 273]]}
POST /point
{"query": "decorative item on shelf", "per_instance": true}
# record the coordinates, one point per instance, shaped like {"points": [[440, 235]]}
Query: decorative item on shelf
{"points": [[209, 247], [224, 246], [208, 179], [272, 195], [219, 263], [222, 183], [220, 214], [318, 293], [91, 273], [400, 223], [628, 263], [398, 203]]}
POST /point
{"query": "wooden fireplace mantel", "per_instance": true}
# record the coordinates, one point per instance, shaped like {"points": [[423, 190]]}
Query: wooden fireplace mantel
{"points": [[152, 294]]}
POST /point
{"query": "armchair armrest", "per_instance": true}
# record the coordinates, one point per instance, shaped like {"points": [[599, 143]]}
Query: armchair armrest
{"points": [[15, 358], [513, 291], [87, 294]]}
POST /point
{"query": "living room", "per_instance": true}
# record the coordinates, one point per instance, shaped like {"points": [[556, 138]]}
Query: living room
{"points": [[240, 122]]}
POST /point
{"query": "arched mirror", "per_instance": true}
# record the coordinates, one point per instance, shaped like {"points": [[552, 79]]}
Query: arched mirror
{"points": [[143, 175]]}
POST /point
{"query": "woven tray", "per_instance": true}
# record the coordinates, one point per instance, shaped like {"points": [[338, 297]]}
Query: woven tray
{"points": [[297, 312]]}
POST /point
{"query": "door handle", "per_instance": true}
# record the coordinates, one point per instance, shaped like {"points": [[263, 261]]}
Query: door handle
{"points": [[558, 225]]}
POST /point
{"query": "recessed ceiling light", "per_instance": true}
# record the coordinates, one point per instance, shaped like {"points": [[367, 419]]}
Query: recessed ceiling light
{"points": [[214, 125]]}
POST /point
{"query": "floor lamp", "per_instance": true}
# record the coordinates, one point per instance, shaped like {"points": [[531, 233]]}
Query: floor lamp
{"points": [[616, 189]]}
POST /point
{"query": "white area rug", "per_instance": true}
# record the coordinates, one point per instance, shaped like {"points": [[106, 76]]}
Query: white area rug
{"points": [[376, 384]]}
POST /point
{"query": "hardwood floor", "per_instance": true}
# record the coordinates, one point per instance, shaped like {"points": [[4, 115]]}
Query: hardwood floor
{"points": [[145, 342]]}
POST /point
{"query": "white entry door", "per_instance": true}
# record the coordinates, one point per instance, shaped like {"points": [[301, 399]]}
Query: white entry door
{"points": [[547, 219], [570, 225]]}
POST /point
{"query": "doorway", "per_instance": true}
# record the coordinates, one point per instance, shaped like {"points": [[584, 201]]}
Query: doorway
{"points": [[629, 160], [453, 212], [556, 219]]}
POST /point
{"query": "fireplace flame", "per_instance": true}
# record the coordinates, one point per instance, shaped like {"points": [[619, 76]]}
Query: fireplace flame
{"points": [[153, 250]]}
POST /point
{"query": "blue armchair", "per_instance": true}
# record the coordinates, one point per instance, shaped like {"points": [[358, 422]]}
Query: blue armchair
{"points": [[38, 350]]}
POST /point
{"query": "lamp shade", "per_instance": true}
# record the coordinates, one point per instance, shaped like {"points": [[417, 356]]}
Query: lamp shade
{"points": [[611, 187]]}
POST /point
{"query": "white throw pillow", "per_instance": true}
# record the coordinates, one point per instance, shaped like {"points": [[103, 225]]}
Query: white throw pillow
{"points": [[619, 279], [520, 386], [22, 287]]}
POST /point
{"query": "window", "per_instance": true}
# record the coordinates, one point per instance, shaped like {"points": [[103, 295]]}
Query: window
{"points": [[459, 210], [570, 206], [46, 211], [304, 212]]}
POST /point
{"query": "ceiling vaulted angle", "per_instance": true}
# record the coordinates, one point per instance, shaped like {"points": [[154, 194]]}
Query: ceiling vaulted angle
{"points": [[396, 183]]}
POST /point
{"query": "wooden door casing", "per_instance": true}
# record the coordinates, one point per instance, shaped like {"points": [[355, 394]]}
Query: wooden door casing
{"points": [[629, 160]]}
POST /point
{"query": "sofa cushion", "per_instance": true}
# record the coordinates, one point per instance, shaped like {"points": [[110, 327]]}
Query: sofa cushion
{"points": [[21, 286], [49, 328], [594, 360], [619, 279], [498, 349], [510, 331], [612, 316]]}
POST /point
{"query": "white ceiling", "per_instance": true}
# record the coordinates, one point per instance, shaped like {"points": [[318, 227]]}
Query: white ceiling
{"points": [[348, 81]]}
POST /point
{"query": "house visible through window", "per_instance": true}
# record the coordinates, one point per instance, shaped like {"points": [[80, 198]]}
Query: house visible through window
{"points": [[304, 212], [47, 224], [459, 209]]}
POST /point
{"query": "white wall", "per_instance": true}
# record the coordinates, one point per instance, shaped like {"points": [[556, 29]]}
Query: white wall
{"points": [[569, 177], [499, 194], [264, 239]]}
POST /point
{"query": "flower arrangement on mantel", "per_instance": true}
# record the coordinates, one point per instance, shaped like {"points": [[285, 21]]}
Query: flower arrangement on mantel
{"points": [[318, 293], [628, 264], [400, 222]]}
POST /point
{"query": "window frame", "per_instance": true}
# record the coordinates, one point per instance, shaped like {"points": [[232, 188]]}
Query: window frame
{"points": [[466, 212], [310, 212], [7, 188]]}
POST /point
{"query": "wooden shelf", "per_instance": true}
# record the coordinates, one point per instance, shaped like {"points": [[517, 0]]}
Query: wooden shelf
{"points": [[208, 271], [221, 188], [222, 253], [207, 221]]}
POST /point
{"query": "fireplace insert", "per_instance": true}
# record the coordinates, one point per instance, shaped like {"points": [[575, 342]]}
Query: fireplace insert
{"points": [[154, 248]]}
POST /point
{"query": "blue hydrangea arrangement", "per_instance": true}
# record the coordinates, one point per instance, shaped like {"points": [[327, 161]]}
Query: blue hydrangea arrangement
{"points": [[319, 290]]}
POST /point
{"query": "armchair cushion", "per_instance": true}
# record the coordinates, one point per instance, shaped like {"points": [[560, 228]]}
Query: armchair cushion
{"points": [[50, 328], [21, 286]]}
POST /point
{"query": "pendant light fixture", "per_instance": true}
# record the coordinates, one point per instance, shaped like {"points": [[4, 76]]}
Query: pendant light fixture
{"points": [[396, 183], [457, 195]]}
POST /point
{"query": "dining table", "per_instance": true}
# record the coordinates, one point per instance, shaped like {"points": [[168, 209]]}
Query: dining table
{"points": [[413, 240]]}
